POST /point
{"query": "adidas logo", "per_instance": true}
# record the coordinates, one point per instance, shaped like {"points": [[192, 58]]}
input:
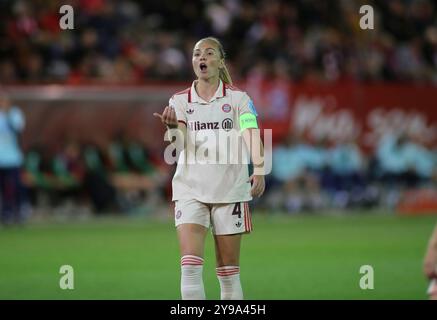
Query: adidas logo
{"points": [[238, 224], [190, 111]]}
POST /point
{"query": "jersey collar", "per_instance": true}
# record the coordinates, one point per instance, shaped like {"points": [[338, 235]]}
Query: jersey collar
{"points": [[194, 97]]}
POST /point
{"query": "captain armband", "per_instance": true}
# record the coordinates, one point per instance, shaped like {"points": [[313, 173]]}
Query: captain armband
{"points": [[247, 121]]}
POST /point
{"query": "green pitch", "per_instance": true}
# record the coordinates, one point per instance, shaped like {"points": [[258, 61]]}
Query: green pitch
{"points": [[286, 257]]}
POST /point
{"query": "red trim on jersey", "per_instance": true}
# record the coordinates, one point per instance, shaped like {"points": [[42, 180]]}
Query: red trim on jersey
{"points": [[182, 121], [246, 224], [246, 227], [188, 90], [183, 91], [247, 217], [224, 89], [231, 87], [250, 217]]}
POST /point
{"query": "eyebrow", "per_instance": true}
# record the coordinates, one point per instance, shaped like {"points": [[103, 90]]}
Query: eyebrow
{"points": [[205, 49]]}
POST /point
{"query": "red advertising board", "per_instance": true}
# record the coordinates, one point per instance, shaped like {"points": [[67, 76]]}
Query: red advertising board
{"points": [[330, 111], [340, 111]]}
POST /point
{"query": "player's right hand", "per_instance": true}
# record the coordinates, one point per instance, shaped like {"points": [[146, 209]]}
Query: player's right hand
{"points": [[168, 117]]}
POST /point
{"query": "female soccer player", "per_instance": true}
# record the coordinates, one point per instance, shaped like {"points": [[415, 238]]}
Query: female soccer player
{"points": [[211, 194], [430, 265]]}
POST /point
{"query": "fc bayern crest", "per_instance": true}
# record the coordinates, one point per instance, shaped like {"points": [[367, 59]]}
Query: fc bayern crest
{"points": [[226, 108], [178, 214]]}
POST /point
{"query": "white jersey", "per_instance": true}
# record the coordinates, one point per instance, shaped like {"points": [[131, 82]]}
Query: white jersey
{"points": [[206, 182]]}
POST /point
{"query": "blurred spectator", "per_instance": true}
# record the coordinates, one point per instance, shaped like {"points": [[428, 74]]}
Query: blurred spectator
{"points": [[396, 163], [134, 175], [11, 159], [295, 186], [38, 176], [278, 41], [420, 159], [68, 173], [347, 163], [97, 182], [346, 178], [134, 41]]}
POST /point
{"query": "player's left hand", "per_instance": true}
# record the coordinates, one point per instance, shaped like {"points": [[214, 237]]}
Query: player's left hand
{"points": [[258, 185]]}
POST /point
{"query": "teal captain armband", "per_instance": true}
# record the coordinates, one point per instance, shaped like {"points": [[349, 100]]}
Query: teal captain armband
{"points": [[247, 121]]}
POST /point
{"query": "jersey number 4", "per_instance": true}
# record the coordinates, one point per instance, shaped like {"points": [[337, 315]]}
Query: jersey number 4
{"points": [[237, 210]]}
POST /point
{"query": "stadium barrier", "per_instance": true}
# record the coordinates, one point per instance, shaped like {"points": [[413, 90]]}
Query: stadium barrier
{"points": [[331, 112], [418, 202]]}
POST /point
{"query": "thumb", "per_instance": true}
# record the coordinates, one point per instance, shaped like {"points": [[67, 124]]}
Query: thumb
{"points": [[157, 115], [250, 178]]}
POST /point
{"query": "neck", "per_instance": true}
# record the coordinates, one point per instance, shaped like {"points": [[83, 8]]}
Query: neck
{"points": [[207, 87]]}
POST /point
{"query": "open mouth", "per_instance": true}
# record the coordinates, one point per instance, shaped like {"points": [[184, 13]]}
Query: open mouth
{"points": [[203, 67]]}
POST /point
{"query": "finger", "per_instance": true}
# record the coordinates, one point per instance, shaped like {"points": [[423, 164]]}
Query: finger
{"points": [[170, 119], [171, 112], [260, 187], [250, 179], [263, 186], [173, 115], [157, 115], [258, 190], [165, 115], [255, 189]]}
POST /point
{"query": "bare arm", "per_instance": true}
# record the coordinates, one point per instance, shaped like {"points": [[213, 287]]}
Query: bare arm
{"points": [[252, 138]]}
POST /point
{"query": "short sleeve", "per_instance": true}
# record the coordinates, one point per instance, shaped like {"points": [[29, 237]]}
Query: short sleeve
{"points": [[247, 113], [180, 114], [246, 105]]}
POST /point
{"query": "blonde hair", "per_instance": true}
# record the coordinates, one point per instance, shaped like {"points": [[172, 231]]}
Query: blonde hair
{"points": [[223, 72]]}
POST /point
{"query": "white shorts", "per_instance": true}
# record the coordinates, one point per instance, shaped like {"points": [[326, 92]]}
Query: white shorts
{"points": [[224, 218]]}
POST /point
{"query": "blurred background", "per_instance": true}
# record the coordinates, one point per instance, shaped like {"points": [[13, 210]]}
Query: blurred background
{"points": [[353, 112]]}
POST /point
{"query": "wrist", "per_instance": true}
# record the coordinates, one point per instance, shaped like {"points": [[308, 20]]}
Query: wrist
{"points": [[259, 171], [171, 126]]}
